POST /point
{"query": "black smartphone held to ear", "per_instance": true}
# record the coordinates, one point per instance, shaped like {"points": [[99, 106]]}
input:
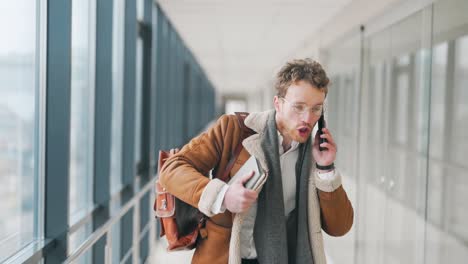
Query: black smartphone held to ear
{"points": [[321, 124]]}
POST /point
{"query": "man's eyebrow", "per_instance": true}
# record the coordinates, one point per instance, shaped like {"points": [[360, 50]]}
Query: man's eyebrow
{"points": [[300, 102]]}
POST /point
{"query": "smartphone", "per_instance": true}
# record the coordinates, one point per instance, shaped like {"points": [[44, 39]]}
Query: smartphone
{"points": [[321, 124]]}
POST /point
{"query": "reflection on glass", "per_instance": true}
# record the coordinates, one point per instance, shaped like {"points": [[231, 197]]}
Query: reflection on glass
{"points": [[460, 115], [459, 169], [140, 9], [18, 116], [117, 94], [376, 117], [342, 115], [439, 73], [400, 107], [420, 102], [413, 210], [447, 233], [82, 118], [436, 186]]}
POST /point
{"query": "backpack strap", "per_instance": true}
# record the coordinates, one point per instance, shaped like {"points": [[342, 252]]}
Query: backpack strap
{"points": [[245, 133]]}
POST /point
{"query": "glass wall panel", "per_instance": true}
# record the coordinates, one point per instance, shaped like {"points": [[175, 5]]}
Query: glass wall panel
{"points": [[407, 161], [375, 113], [117, 94], [342, 104], [82, 110], [393, 135], [18, 125], [413, 139], [342, 116], [447, 232]]}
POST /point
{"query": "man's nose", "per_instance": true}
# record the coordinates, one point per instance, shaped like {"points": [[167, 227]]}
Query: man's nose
{"points": [[307, 117]]}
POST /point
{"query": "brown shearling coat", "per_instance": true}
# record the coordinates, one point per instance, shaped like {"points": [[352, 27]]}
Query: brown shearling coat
{"points": [[185, 176]]}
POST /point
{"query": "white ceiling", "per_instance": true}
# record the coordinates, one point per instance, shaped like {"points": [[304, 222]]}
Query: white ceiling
{"points": [[241, 44]]}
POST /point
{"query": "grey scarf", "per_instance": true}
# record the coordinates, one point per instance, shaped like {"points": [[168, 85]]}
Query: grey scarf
{"points": [[281, 239]]}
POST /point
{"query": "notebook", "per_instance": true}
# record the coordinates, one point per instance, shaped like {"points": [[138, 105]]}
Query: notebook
{"points": [[250, 165]]}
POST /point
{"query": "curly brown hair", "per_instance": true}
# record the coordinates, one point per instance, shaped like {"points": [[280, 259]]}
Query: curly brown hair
{"points": [[301, 69]]}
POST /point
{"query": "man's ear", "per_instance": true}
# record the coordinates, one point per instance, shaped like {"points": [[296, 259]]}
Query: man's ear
{"points": [[276, 103]]}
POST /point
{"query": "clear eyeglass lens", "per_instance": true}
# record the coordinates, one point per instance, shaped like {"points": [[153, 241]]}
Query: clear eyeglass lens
{"points": [[302, 109]]}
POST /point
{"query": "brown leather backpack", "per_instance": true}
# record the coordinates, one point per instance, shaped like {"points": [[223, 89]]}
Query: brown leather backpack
{"points": [[180, 222]]}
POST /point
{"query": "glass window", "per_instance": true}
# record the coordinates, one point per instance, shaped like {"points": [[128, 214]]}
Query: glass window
{"points": [[18, 125], [140, 9], [76, 239], [82, 109], [115, 231], [117, 94]]}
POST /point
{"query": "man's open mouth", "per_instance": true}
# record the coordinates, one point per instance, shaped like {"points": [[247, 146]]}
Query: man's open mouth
{"points": [[303, 131]]}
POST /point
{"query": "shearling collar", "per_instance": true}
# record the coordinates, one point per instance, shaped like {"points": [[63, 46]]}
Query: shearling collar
{"points": [[258, 121]]}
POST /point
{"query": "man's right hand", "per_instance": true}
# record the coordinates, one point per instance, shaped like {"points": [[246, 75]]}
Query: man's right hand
{"points": [[238, 199]]}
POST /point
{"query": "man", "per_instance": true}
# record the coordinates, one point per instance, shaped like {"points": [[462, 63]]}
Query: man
{"points": [[281, 221]]}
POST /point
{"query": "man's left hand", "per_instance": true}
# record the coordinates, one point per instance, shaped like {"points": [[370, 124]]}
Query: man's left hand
{"points": [[328, 155]]}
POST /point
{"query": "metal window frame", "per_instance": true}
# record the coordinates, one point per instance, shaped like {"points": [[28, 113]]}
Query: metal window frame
{"points": [[103, 122], [146, 143], [160, 73], [57, 127], [41, 46], [129, 81], [92, 78], [145, 110], [105, 230], [154, 81], [130, 222]]}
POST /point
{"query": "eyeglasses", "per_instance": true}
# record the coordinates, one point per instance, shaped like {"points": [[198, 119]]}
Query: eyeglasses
{"points": [[301, 109]]}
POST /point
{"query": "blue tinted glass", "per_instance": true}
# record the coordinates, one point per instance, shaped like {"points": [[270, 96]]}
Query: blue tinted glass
{"points": [[18, 116]]}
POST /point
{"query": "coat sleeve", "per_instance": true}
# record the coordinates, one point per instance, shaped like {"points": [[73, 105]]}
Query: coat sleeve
{"points": [[337, 214], [185, 174]]}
